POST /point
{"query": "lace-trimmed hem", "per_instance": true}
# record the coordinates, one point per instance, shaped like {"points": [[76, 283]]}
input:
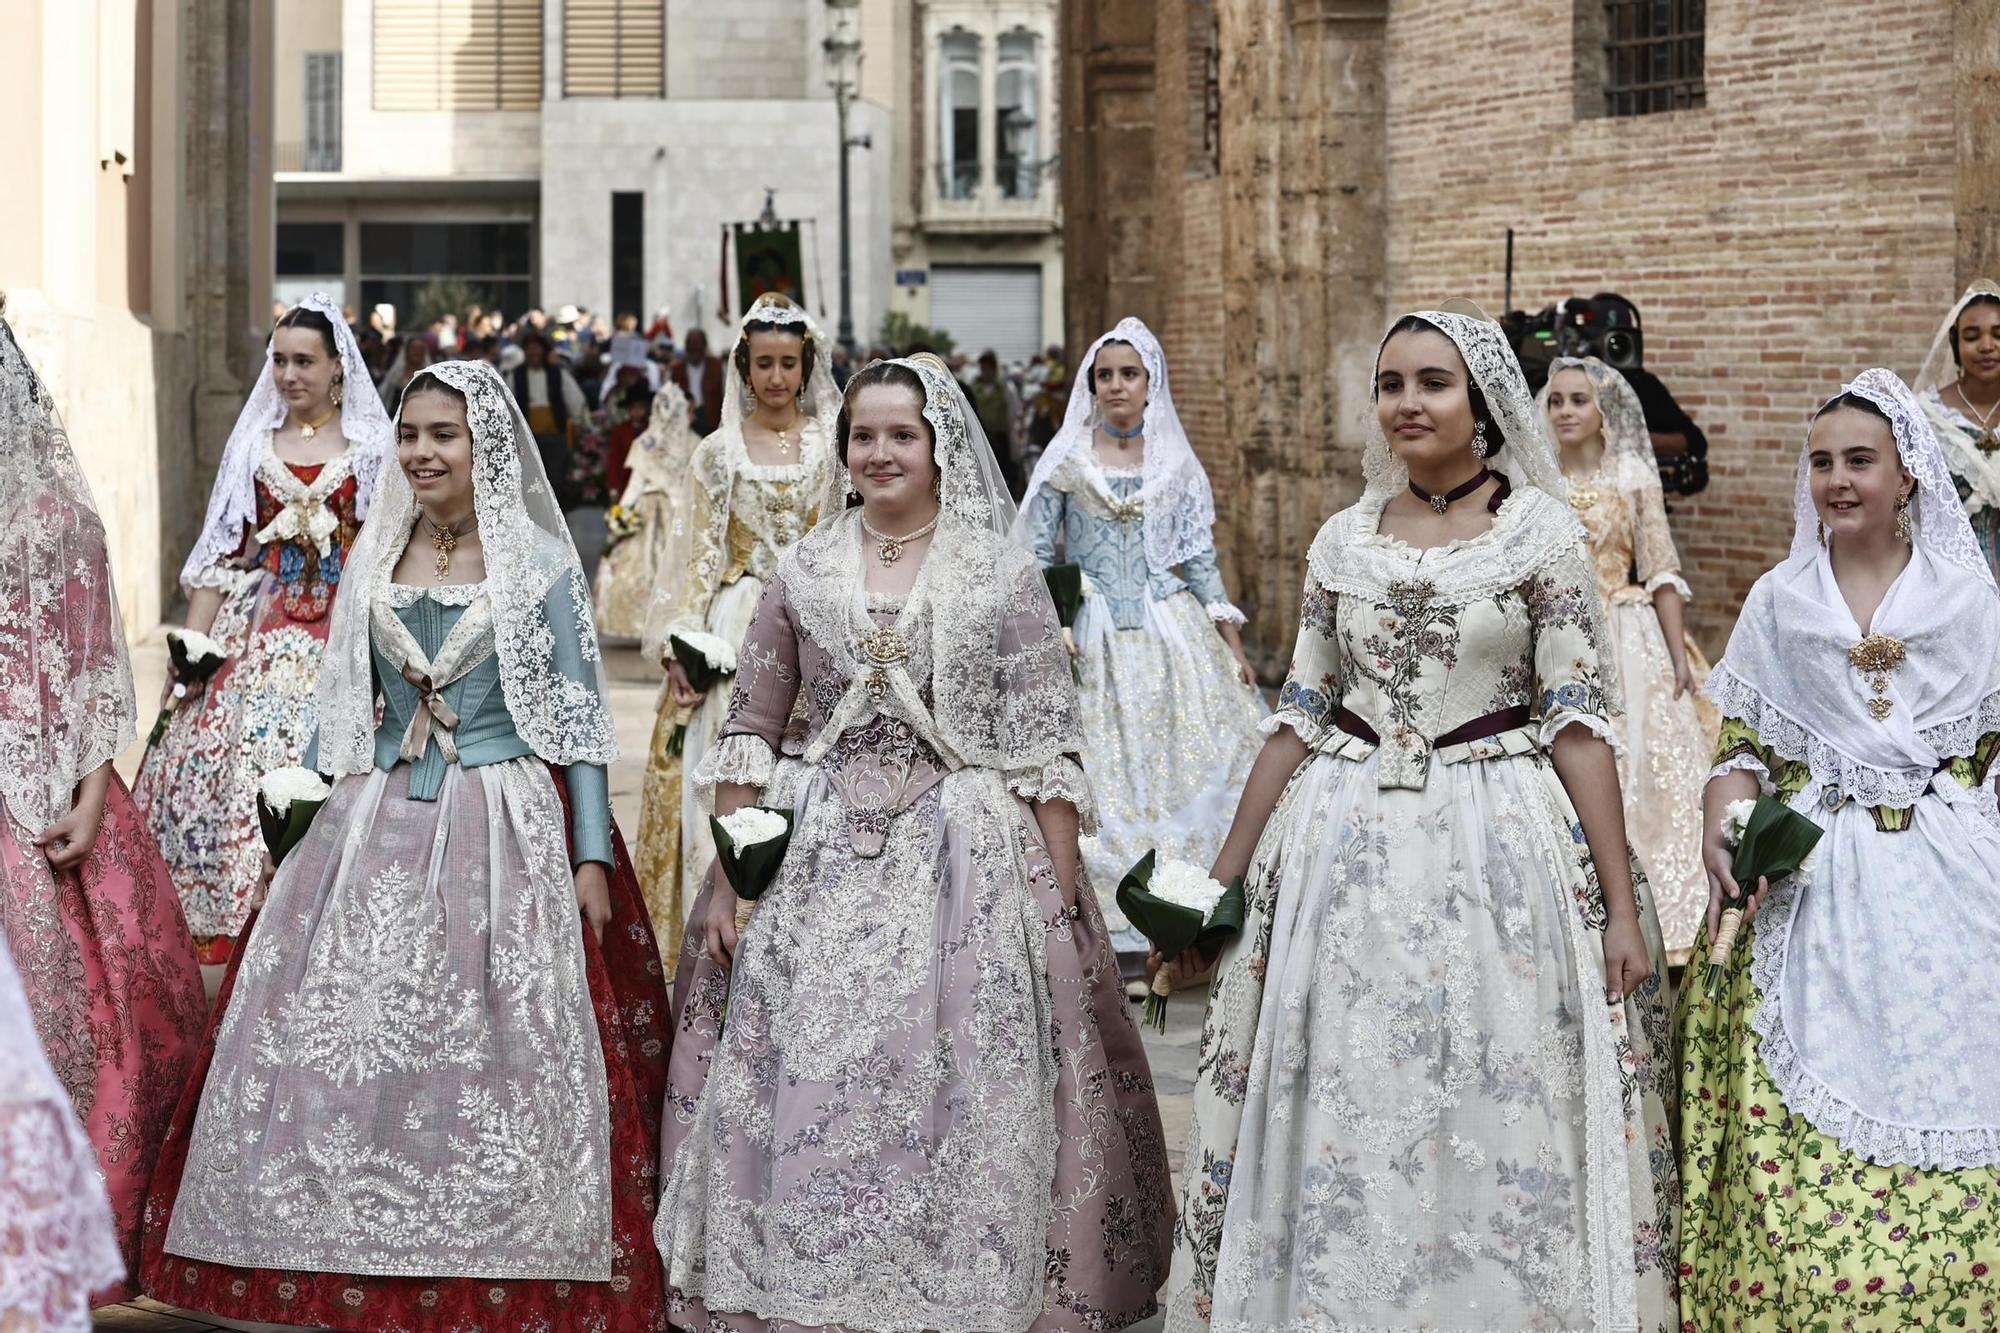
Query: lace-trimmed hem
{"points": [[742, 758], [1670, 580], [444, 594], [1061, 779], [1871, 786], [1225, 613], [1882, 1142]]}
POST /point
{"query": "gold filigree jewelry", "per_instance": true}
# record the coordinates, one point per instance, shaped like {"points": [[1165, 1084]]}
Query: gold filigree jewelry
{"points": [[889, 548], [883, 648], [1582, 498], [1903, 517], [336, 395], [445, 540], [1877, 657], [1409, 598], [1984, 437], [308, 429]]}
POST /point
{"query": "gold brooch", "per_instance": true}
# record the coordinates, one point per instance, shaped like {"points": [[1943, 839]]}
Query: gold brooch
{"points": [[883, 648], [1581, 498], [1876, 657], [1409, 598]]}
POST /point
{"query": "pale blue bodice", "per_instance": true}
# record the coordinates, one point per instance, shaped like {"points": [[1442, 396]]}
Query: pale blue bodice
{"points": [[1112, 551], [485, 733]]}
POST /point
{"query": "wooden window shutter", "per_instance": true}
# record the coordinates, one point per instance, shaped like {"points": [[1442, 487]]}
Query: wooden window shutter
{"points": [[458, 55], [614, 48]]}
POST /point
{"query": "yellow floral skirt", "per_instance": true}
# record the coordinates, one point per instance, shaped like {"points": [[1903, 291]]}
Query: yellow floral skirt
{"points": [[1782, 1231]]}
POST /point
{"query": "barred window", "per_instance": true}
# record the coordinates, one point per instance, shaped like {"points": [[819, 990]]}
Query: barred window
{"points": [[614, 48], [1654, 56], [458, 55]]}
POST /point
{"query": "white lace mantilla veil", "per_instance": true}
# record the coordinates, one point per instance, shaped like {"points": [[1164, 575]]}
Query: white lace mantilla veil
{"points": [[1001, 696], [232, 501], [66, 701], [1179, 507], [1629, 459], [1786, 670], [528, 553], [1940, 368], [1534, 529], [822, 396]]}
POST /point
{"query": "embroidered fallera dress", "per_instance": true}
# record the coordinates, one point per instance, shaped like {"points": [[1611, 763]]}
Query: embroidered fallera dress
{"points": [[745, 515], [1971, 448], [1413, 1107], [1840, 1130], [928, 1107], [1170, 729], [656, 497], [198, 785]]}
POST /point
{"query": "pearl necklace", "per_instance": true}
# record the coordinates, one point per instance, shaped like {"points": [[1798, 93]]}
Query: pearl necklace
{"points": [[889, 548]]}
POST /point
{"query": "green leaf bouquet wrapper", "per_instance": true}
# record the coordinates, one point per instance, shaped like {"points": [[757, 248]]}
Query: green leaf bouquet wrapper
{"points": [[750, 870], [1172, 928], [282, 832], [191, 665], [1066, 591], [1776, 841], [702, 677]]}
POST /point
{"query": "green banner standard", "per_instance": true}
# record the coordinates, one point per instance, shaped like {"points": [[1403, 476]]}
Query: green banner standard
{"points": [[767, 260]]}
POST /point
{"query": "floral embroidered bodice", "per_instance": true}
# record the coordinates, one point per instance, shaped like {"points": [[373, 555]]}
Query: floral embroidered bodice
{"points": [[1628, 536], [306, 522], [1106, 537], [747, 514], [1426, 653]]}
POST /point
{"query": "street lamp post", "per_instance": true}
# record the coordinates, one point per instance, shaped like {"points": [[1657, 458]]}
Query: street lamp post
{"points": [[843, 75]]}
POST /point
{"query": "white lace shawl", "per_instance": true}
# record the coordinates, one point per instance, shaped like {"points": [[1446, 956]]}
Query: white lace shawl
{"points": [[1179, 507], [232, 501], [66, 700], [528, 555], [1786, 671], [1956, 431]]}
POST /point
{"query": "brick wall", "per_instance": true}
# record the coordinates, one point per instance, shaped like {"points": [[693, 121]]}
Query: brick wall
{"points": [[1796, 230]]}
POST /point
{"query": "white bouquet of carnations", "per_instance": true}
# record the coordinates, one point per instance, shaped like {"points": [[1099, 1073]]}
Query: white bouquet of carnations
{"points": [[707, 659], [287, 800], [750, 846], [195, 657], [1177, 907], [1770, 841]]}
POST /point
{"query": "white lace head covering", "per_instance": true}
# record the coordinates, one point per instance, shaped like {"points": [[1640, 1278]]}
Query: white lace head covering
{"points": [[1628, 445], [1940, 367], [971, 488], [1527, 456], [66, 702], [1179, 507], [232, 501], [528, 554], [1937, 516], [821, 398]]}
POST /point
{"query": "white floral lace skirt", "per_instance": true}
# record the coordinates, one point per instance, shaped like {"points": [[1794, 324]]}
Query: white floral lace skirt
{"points": [[728, 619], [1415, 1110], [408, 1079], [928, 1108], [1169, 733], [1663, 764]]}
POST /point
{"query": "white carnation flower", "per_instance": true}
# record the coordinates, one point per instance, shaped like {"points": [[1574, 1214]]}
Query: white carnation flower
{"points": [[718, 652], [278, 790], [1186, 885], [1736, 818], [195, 644], [1085, 586], [752, 825]]}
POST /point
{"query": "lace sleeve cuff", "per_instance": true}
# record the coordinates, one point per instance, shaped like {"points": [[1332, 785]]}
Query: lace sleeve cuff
{"points": [[1061, 779], [742, 758], [1595, 723], [1670, 579], [220, 577], [1302, 726], [1225, 613], [1743, 761]]}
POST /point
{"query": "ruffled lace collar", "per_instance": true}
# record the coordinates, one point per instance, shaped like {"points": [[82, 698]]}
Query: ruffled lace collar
{"points": [[401, 595]]}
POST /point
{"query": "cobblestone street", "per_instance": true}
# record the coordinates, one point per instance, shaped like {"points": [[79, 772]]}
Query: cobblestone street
{"points": [[633, 688]]}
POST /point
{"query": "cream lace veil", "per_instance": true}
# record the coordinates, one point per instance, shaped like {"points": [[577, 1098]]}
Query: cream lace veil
{"points": [[1940, 368], [66, 702], [232, 501], [1628, 445], [529, 554], [1179, 506], [822, 396]]}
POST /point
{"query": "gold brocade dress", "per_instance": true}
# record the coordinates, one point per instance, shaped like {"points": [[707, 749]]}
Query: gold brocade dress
{"points": [[744, 516], [1664, 743]]}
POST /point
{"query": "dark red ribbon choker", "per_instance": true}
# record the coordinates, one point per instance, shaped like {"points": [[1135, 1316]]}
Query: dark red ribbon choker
{"points": [[1443, 502]]}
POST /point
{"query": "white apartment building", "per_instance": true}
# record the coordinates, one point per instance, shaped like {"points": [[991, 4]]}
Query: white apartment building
{"points": [[592, 152]]}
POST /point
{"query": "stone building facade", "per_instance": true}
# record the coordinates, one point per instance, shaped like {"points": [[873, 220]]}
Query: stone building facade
{"points": [[138, 210], [1267, 181]]}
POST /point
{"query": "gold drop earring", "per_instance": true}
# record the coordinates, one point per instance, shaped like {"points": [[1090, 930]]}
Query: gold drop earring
{"points": [[1903, 517]]}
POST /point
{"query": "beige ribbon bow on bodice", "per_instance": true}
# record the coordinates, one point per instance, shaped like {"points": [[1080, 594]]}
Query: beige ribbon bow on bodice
{"points": [[469, 643]]}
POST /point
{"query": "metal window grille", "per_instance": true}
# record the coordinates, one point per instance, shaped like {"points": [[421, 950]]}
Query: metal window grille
{"points": [[322, 147], [458, 55], [614, 48], [1654, 57]]}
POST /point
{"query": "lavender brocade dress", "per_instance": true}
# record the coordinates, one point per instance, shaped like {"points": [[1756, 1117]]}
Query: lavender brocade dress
{"points": [[929, 1107]]}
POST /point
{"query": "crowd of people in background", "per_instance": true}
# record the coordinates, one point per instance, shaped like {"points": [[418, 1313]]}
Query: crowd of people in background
{"points": [[587, 382]]}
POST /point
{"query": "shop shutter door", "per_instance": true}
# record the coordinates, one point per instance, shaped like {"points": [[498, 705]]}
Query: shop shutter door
{"points": [[998, 306]]}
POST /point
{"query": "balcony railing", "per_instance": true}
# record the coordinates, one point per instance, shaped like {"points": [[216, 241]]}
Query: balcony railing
{"points": [[1021, 193], [305, 157]]}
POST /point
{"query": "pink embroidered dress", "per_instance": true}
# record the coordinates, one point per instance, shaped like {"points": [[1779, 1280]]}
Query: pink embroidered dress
{"points": [[106, 968]]}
